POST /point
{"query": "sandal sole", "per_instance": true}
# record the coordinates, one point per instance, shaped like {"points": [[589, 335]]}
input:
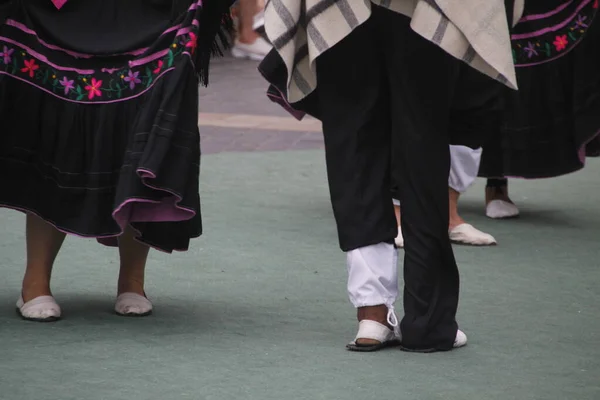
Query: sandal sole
{"points": [[471, 244], [370, 349], [428, 351]]}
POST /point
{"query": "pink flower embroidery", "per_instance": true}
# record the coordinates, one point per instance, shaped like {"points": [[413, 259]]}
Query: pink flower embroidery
{"points": [[132, 78], [159, 67], [193, 42], [31, 67], [561, 42], [67, 84], [94, 89], [7, 54]]}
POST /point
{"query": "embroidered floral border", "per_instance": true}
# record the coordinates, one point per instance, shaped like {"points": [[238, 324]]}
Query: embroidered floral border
{"points": [[537, 50], [99, 86]]}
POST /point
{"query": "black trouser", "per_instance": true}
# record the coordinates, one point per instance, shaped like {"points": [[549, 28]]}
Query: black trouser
{"points": [[385, 89]]}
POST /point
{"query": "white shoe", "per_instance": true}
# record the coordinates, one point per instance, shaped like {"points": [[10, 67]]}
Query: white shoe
{"points": [[399, 239], [373, 330], [40, 309], [461, 340], [132, 305], [255, 51], [500, 209], [468, 234]]}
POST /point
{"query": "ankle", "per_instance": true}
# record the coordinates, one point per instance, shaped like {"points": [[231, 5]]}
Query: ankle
{"points": [[497, 193], [32, 289], [455, 221], [377, 313], [248, 38], [126, 285]]}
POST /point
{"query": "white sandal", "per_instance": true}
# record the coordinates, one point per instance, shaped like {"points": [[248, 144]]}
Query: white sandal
{"points": [[132, 305], [469, 235], [373, 330], [40, 309]]}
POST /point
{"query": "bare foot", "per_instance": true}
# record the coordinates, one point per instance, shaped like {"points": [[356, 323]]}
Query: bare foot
{"points": [[43, 243], [133, 263], [455, 219], [247, 10]]}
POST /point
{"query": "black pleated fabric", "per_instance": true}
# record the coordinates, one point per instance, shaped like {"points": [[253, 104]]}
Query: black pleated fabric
{"points": [[553, 121], [100, 133]]}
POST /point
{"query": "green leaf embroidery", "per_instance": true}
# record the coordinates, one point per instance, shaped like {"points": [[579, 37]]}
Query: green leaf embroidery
{"points": [[170, 59], [548, 49]]}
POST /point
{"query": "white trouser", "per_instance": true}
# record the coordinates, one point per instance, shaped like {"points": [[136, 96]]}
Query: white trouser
{"points": [[373, 278], [373, 275], [464, 167]]}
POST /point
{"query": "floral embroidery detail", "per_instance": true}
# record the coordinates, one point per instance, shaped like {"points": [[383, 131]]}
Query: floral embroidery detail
{"points": [[561, 42], [530, 48], [580, 23], [31, 67], [132, 78], [192, 43], [67, 84], [94, 89], [94, 85], [6, 54], [158, 67]]}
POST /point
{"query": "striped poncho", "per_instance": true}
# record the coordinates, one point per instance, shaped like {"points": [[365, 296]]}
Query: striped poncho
{"points": [[475, 31]]}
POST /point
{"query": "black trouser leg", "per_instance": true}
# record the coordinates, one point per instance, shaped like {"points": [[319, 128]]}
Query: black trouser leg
{"points": [[354, 102], [373, 85], [421, 99]]}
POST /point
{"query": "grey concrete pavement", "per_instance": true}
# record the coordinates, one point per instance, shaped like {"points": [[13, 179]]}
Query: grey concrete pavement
{"points": [[237, 116]]}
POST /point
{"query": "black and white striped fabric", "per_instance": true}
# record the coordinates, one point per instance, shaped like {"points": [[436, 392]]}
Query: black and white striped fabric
{"points": [[475, 31]]}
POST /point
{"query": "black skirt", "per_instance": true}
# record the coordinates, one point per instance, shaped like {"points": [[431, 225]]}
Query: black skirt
{"points": [[553, 121], [99, 105]]}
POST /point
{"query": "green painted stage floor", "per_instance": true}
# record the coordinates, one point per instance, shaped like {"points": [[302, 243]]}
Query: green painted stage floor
{"points": [[257, 309]]}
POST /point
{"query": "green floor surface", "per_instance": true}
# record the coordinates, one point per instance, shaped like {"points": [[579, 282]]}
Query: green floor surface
{"points": [[257, 309]]}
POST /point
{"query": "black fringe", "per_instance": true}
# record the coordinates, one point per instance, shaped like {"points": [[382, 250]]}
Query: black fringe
{"points": [[215, 34]]}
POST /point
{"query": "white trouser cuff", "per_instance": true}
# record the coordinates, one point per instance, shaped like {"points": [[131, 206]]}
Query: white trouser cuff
{"points": [[373, 275], [464, 167]]}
